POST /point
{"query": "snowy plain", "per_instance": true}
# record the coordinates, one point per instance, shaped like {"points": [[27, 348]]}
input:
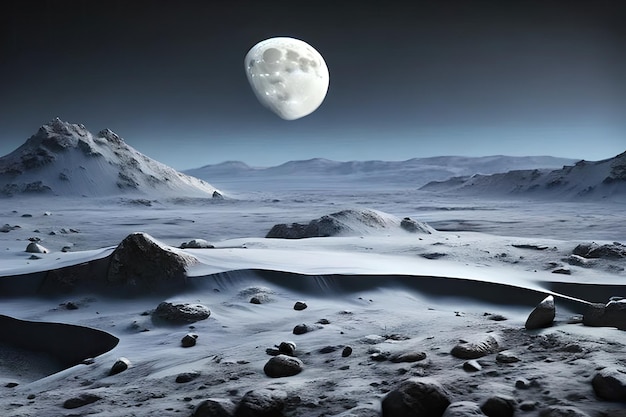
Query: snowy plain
{"points": [[381, 292]]}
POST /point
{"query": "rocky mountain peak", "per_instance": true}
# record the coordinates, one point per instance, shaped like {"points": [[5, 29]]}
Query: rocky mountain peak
{"points": [[66, 159], [110, 136]]}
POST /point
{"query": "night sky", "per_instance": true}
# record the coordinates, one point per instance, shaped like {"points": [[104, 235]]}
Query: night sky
{"points": [[407, 78]]}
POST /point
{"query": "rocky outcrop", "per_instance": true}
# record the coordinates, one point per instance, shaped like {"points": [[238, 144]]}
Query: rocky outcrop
{"points": [[141, 262], [196, 244], [612, 314], [615, 250], [343, 223]]}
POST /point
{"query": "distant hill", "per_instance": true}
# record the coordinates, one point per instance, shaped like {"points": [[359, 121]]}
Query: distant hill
{"points": [[412, 172], [600, 179], [64, 159]]}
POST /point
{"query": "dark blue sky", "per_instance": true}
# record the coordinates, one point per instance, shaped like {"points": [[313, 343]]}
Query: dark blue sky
{"points": [[407, 79]]}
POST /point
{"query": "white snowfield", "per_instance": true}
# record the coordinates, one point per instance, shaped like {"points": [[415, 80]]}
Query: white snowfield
{"points": [[402, 300]]}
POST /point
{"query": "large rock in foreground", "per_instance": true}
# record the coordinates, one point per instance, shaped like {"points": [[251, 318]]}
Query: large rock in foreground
{"points": [[142, 262], [612, 314], [543, 315], [416, 398]]}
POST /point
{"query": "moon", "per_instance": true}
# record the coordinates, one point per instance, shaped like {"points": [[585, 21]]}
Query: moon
{"points": [[288, 76]]}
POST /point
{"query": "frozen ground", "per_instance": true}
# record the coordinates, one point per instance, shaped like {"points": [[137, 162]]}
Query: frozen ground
{"points": [[382, 293]]}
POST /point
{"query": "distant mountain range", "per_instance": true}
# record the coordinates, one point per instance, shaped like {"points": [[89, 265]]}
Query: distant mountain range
{"points": [[413, 172], [593, 180], [65, 159]]}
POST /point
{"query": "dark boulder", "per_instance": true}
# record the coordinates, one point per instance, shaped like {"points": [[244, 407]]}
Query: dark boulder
{"points": [[543, 315], [283, 366], [181, 312], [140, 262], [416, 398]]}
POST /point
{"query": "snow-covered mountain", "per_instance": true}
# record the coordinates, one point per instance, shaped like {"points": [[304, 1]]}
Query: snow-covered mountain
{"points": [[599, 179], [414, 172], [65, 159]]}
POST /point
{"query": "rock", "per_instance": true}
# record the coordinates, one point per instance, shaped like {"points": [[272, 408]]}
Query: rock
{"points": [[344, 222], [407, 357], [287, 348], [7, 228], [472, 366], [217, 195], [301, 329], [189, 340], [581, 261], [142, 263], [523, 383], [475, 350], [181, 312], [347, 351], [413, 226], [328, 349], [543, 315], [34, 247], [215, 408], [282, 366], [262, 403], [592, 250], [560, 411], [499, 406], [299, 306], [419, 397], [187, 377], [506, 357], [81, 400], [528, 405], [463, 409], [196, 244], [610, 384], [120, 365], [612, 314]]}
